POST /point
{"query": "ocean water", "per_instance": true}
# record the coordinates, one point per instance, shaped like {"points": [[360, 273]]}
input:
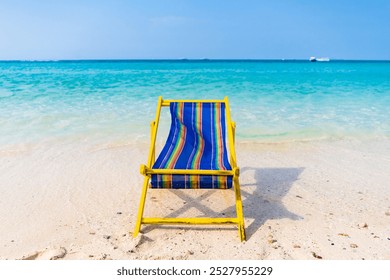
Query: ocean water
{"points": [[271, 101]]}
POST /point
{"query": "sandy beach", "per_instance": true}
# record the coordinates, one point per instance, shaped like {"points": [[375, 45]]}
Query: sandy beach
{"points": [[301, 88], [302, 200]]}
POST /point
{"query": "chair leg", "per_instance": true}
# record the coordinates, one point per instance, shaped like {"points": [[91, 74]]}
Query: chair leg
{"points": [[239, 211], [141, 207], [241, 231]]}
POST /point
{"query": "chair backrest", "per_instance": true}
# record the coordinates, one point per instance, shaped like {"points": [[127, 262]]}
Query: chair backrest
{"points": [[197, 140]]}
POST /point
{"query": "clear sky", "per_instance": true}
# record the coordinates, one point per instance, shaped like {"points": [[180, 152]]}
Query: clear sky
{"points": [[121, 29]]}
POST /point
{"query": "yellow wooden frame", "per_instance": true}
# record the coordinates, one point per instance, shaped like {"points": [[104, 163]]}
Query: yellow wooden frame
{"points": [[147, 171]]}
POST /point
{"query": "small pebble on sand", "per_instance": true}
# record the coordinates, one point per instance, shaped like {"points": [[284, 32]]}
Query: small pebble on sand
{"points": [[363, 225], [316, 256]]}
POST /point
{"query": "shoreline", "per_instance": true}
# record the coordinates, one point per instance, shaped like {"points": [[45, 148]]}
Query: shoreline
{"points": [[79, 201]]}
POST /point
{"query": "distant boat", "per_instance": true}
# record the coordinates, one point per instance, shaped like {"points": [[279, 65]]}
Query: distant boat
{"points": [[319, 59]]}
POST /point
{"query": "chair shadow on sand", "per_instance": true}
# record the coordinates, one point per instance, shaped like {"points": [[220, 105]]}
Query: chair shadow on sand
{"points": [[264, 203]]}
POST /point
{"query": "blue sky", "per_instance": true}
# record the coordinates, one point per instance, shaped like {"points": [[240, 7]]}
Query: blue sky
{"points": [[120, 29]]}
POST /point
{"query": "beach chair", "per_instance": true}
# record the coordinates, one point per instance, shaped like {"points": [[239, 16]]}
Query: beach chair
{"points": [[194, 156]]}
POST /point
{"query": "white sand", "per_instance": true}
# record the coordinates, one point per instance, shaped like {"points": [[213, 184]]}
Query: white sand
{"points": [[328, 200]]}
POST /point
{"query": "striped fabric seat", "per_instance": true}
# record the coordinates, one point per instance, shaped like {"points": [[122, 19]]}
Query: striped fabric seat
{"points": [[196, 141]]}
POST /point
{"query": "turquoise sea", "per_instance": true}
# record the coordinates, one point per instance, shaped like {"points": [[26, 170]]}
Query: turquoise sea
{"points": [[271, 101]]}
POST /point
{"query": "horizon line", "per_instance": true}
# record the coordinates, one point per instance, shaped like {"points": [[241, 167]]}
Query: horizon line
{"points": [[182, 59]]}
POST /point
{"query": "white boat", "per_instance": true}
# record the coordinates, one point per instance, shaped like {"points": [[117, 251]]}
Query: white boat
{"points": [[323, 59], [319, 59]]}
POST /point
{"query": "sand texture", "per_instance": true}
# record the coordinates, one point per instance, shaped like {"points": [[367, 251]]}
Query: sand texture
{"points": [[303, 200]]}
